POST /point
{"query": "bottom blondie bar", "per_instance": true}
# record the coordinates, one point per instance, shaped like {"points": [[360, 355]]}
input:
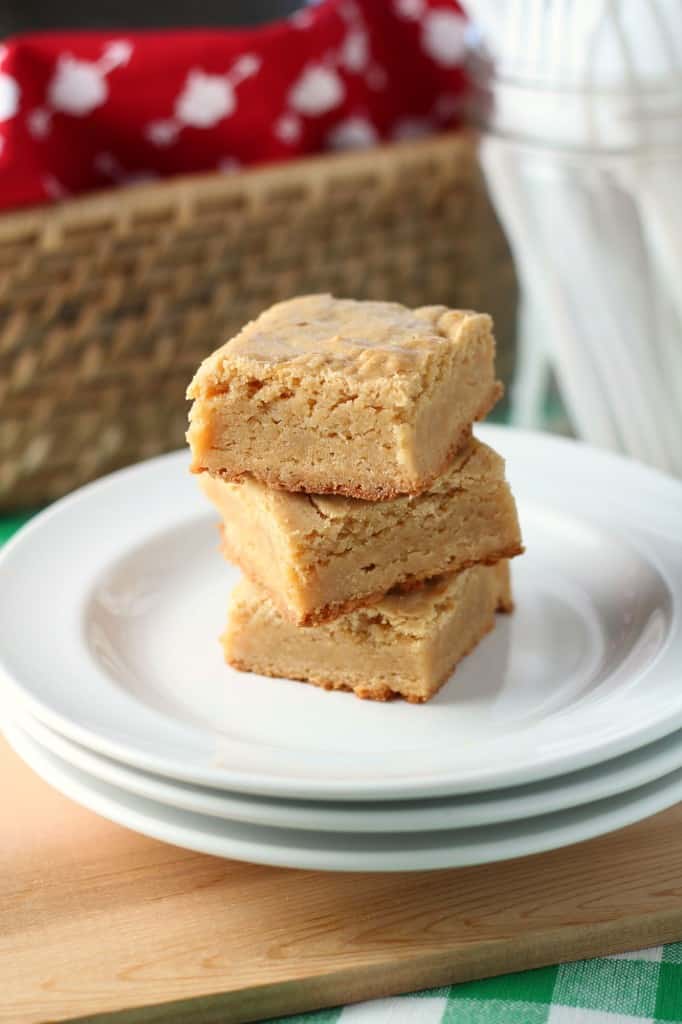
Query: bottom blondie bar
{"points": [[407, 645]]}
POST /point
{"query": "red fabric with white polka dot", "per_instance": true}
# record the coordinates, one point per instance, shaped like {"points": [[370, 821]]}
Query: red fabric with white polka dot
{"points": [[81, 111]]}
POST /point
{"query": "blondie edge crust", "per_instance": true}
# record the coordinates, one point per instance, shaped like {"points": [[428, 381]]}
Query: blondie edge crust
{"points": [[325, 395], [407, 645], [319, 556]]}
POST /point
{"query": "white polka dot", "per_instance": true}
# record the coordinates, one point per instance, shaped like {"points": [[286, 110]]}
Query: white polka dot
{"points": [[205, 100], [354, 54], [10, 95], [411, 9], [38, 122], [246, 66], [162, 133], [352, 133], [78, 87], [115, 54], [444, 37], [287, 128], [317, 90]]}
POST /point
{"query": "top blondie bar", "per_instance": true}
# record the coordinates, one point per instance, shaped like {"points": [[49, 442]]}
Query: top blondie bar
{"points": [[326, 395]]}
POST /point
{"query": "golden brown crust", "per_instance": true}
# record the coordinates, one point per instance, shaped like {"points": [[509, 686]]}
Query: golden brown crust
{"points": [[378, 693], [381, 492], [363, 338]]}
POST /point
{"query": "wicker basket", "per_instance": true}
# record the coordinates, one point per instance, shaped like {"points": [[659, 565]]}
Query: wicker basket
{"points": [[108, 303]]}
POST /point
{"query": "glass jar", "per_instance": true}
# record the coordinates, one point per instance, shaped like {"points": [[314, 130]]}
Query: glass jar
{"points": [[585, 171]]}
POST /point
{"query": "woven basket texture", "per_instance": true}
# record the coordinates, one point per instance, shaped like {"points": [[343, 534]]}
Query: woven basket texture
{"points": [[109, 302]]}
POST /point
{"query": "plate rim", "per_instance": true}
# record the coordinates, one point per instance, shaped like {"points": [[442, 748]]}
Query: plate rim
{"points": [[661, 794], [651, 765], [300, 788]]}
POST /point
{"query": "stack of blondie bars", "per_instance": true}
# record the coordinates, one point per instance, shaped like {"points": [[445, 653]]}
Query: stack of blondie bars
{"points": [[373, 530]]}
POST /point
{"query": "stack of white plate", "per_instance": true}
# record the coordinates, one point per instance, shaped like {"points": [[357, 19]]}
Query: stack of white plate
{"points": [[565, 723]]}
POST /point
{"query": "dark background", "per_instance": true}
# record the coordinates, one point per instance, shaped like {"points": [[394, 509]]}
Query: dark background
{"points": [[33, 15]]}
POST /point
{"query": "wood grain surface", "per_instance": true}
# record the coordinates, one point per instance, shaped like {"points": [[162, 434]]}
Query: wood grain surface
{"points": [[99, 923]]}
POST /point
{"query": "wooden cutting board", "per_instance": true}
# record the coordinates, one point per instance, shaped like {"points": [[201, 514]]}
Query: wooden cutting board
{"points": [[98, 922]]}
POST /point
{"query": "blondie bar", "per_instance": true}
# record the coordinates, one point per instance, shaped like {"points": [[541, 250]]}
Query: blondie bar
{"points": [[320, 556], [407, 645], [325, 395]]}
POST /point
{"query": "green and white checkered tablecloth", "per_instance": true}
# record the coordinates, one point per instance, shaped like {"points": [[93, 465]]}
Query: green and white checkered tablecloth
{"points": [[633, 988]]}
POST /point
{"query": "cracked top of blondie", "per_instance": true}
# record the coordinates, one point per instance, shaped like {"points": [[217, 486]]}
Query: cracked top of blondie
{"points": [[317, 332]]}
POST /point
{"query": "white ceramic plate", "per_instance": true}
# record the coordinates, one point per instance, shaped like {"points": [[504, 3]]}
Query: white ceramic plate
{"points": [[334, 851], [114, 597], [511, 804]]}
